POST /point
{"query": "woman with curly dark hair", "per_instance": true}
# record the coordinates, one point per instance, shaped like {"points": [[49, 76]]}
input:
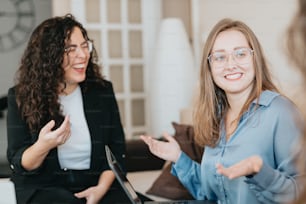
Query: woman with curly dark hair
{"points": [[61, 114]]}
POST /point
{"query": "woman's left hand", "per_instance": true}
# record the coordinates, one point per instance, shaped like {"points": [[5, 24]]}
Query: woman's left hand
{"points": [[91, 194], [248, 166], [95, 193]]}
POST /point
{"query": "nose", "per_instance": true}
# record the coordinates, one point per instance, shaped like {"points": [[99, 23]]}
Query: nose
{"points": [[81, 52], [230, 62]]}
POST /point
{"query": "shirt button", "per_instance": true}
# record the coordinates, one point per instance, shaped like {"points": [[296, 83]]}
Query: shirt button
{"points": [[12, 166]]}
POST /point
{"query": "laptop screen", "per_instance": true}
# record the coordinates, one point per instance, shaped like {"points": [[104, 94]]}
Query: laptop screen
{"points": [[128, 188], [122, 179]]}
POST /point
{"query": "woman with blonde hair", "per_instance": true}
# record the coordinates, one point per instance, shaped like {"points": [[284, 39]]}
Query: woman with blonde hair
{"points": [[247, 127]]}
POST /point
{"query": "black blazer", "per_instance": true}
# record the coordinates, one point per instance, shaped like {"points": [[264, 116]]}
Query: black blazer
{"points": [[102, 115]]}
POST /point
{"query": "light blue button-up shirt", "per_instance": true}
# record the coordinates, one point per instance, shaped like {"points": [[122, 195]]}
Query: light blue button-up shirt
{"points": [[270, 130]]}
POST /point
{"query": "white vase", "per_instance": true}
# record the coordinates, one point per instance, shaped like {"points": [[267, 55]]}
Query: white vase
{"points": [[172, 76]]}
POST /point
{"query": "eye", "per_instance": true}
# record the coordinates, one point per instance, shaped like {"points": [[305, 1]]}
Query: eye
{"points": [[70, 49], [219, 57], [241, 53], [85, 45]]}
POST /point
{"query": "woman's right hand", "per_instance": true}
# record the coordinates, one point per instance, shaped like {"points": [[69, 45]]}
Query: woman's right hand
{"points": [[34, 156], [51, 139], [169, 151]]}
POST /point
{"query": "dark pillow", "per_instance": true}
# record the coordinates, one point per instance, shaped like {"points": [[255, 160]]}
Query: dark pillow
{"points": [[139, 157], [167, 185]]}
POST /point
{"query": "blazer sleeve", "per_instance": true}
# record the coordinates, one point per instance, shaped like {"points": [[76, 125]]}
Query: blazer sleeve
{"points": [[18, 135]]}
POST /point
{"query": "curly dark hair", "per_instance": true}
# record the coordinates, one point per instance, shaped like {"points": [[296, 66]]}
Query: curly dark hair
{"points": [[40, 73]]}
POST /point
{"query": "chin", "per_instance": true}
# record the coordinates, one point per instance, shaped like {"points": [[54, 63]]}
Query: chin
{"points": [[78, 80], [81, 78]]}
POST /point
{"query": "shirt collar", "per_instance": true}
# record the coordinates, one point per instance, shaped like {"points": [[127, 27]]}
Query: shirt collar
{"points": [[266, 97]]}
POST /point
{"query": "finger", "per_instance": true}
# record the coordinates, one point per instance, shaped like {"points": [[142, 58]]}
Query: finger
{"points": [[81, 194], [64, 140], [168, 137], [219, 168], [230, 172], [233, 173], [64, 125], [222, 170], [146, 139], [66, 122], [65, 136], [48, 127], [152, 143], [69, 135]]}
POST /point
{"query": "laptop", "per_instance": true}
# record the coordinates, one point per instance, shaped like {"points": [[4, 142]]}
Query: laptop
{"points": [[130, 191]]}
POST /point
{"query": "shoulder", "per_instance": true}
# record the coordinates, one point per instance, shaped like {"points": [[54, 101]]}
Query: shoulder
{"points": [[11, 94], [11, 97], [101, 86], [107, 84], [12, 90], [274, 99], [280, 105], [99, 92]]}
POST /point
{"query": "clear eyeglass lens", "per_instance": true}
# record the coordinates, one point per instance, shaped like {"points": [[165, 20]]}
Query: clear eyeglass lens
{"points": [[86, 47], [240, 56]]}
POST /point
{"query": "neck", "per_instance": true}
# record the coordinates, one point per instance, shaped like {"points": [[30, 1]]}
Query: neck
{"points": [[67, 88], [237, 100], [236, 103]]}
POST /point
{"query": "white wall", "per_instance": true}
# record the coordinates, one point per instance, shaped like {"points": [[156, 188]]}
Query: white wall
{"points": [[60, 7], [269, 21], [10, 59], [9, 65]]}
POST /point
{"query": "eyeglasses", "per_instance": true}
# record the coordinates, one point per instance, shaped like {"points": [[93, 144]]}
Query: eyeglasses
{"points": [[220, 58], [72, 50]]}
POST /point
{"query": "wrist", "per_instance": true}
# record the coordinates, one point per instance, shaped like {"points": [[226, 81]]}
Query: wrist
{"points": [[177, 156], [257, 164]]}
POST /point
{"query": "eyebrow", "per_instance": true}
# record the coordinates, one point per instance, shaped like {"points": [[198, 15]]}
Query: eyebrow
{"points": [[236, 48], [75, 45]]}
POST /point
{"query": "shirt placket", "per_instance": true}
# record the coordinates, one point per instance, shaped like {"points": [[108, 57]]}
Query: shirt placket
{"points": [[220, 179]]}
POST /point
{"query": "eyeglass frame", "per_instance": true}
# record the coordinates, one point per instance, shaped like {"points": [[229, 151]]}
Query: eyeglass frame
{"points": [[251, 51], [89, 43]]}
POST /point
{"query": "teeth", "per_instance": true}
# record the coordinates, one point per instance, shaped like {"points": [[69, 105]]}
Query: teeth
{"points": [[233, 76], [79, 66]]}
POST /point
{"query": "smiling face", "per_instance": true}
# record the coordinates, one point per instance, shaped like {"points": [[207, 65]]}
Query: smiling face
{"points": [[76, 56], [233, 77]]}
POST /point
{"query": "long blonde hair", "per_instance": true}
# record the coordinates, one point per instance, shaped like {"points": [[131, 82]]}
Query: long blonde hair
{"points": [[212, 103]]}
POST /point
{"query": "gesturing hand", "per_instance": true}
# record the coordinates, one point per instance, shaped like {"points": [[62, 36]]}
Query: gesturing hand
{"points": [[248, 166], [50, 138], [47, 139], [91, 194], [169, 151]]}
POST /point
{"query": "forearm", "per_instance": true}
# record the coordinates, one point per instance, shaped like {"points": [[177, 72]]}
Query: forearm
{"points": [[188, 172], [282, 186], [34, 156], [105, 181]]}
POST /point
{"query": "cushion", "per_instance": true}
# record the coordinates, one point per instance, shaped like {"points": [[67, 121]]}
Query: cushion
{"points": [[167, 185], [139, 157]]}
